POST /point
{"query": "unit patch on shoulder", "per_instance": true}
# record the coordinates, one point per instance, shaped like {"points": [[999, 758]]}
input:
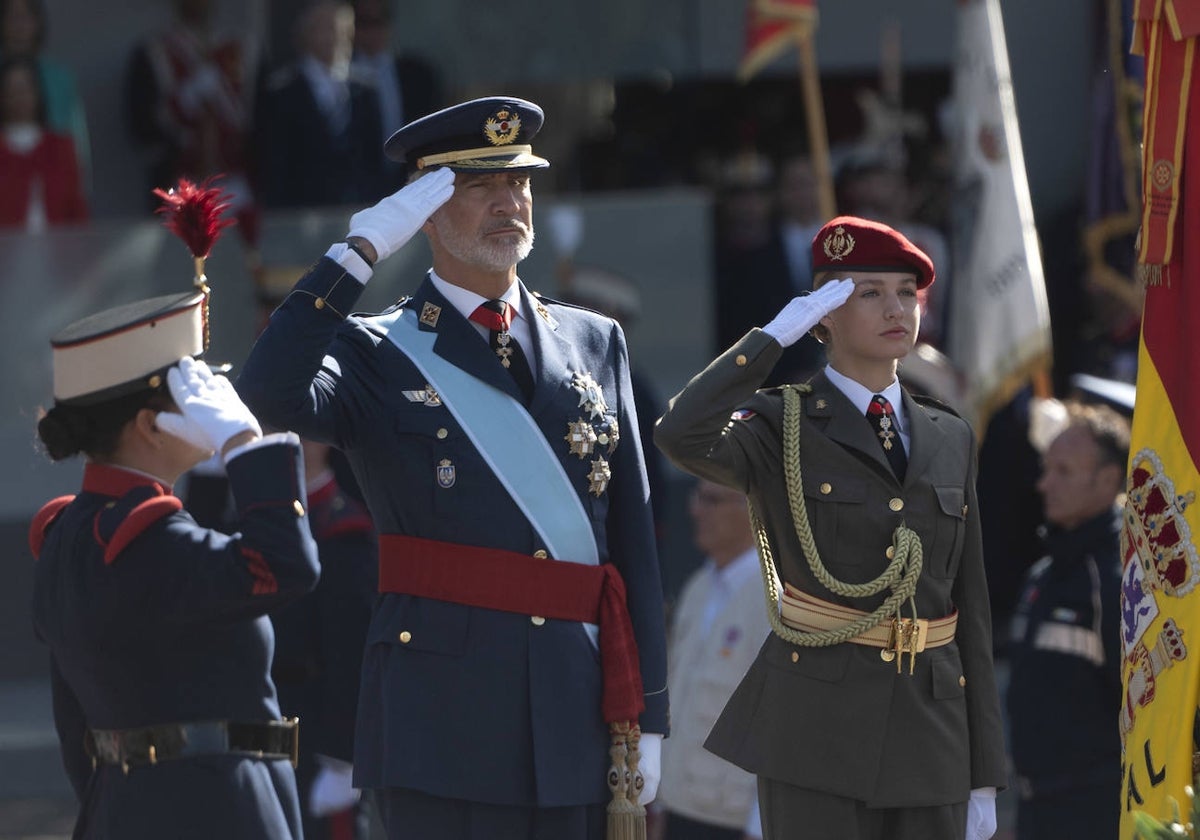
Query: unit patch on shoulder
{"points": [[743, 414]]}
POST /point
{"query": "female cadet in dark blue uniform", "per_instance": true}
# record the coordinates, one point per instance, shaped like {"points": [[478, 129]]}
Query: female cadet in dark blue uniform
{"points": [[160, 645]]}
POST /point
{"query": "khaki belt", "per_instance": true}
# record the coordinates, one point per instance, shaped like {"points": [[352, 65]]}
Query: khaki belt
{"points": [[152, 744], [807, 613]]}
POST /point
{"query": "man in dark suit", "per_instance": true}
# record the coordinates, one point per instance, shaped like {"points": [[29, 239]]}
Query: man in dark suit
{"points": [[871, 712], [493, 434], [318, 129], [406, 85]]}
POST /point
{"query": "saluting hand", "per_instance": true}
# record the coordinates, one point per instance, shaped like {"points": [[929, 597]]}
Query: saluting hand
{"points": [[211, 413], [803, 312], [395, 219]]}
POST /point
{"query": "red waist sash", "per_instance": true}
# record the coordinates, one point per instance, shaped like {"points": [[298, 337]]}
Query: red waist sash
{"points": [[506, 580]]}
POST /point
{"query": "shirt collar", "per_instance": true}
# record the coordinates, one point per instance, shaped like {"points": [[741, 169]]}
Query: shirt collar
{"points": [[466, 301], [860, 395]]}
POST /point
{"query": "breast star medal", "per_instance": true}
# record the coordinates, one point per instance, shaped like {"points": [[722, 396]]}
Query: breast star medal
{"points": [[599, 477], [591, 397], [581, 437]]}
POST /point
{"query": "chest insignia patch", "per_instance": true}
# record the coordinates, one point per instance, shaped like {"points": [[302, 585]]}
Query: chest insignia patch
{"points": [[426, 396], [742, 414], [445, 474]]}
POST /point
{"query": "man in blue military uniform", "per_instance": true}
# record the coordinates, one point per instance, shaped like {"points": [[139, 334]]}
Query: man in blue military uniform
{"points": [[520, 630], [1065, 688]]}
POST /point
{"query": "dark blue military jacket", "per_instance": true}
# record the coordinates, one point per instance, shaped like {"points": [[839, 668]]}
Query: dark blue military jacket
{"points": [[458, 701], [152, 619]]}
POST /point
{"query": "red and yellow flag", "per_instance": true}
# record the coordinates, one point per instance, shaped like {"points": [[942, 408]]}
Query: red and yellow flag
{"points": [[1160, 593], [770, 26]]}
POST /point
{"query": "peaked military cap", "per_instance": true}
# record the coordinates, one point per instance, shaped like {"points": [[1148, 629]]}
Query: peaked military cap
{"points": [[483, 135], [127, 348], [850, 243]]}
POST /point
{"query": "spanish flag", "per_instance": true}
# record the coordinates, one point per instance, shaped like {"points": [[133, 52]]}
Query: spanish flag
{"points": [[770, 26], [1160, 593]]}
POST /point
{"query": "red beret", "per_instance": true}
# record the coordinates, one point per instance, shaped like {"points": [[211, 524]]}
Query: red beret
{"points": [[849, 243]]}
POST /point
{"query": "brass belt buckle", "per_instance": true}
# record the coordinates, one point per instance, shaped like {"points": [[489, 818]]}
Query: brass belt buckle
{"points": [[907, 635]]}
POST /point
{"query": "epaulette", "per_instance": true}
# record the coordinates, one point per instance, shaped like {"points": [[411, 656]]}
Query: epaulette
{"points": [[933, 402], [42, 520], [122, 520]]}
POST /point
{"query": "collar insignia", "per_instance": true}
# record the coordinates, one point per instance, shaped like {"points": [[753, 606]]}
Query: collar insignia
{"points": [[430, 313]]}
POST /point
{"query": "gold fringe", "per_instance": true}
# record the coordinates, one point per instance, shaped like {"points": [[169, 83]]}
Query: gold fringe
{"points": [[1150, 274], [626, 818]]}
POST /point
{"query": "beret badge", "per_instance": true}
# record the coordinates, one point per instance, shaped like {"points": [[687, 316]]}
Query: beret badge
{"points": [[838, 244], [502, 127]]}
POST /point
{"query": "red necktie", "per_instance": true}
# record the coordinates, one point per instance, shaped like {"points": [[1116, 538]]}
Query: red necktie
{"points": [[883, 420], [496, 316]]}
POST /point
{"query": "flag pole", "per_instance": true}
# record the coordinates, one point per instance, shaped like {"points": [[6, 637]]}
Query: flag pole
{"points": [[814, 109]]}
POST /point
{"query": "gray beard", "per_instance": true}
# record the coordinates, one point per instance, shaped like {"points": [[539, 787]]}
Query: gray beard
{"points": [[491, 255]]}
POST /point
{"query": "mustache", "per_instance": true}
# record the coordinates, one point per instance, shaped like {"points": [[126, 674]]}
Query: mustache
{"points": [[508, 224]]}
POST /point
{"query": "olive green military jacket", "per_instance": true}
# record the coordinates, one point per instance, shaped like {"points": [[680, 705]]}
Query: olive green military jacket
{"points": [[839, 719]]}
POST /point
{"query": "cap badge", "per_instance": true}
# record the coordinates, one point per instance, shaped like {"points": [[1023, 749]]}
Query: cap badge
{"points": [[838, 244], [502, 127]]}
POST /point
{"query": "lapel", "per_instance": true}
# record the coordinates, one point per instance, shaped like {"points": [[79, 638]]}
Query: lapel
{"points": [[842, 423], [459, 343], [551, 350], [925, 439]]}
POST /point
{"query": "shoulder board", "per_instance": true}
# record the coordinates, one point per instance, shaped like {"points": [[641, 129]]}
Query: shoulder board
{"points": [[42, 520], [931, 402], [395, 307], [121, 521]]}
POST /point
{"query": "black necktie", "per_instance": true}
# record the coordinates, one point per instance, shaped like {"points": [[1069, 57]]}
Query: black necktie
{"points": [[883, 420], [497, 316]]}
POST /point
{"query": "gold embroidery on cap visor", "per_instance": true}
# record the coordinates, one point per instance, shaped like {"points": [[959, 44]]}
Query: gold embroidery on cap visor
{"points": [[508, 157]]}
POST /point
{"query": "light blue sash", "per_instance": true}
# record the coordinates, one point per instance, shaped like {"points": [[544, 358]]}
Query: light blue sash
{"points": [[509, 441]]}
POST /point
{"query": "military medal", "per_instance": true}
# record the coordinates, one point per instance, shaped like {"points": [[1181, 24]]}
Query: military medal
{"points": [[582, 438], [885, 431], [591, 397], [611, 436], [503, 339], [599, 477]]}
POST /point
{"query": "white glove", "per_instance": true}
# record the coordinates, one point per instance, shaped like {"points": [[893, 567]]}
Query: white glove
{"points": [[333, 788], [211, 411], [650, 763], [803, 312], [395, 219], [981, 814]]}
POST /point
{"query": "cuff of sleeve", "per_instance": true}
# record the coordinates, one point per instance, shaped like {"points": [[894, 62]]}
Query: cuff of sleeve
{"points": [[349, 259], [265, 440]]}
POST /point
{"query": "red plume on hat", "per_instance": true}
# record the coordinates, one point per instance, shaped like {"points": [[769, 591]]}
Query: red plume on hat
{"points": [[193, 212]]}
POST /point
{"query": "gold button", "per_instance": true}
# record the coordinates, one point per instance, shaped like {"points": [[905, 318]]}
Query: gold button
{"points": [[962, 681], [602, 439], [319, 303], [795, 656], [896, 504], [537, 620], [540, 554], [441, 433], [405, 637], [826, 488], [740, 360], [155, 381], [299, 508], [891, 552]]}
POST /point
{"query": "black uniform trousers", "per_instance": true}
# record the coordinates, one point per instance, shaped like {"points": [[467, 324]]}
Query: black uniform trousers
{"points": [[793, 813], [411, 815]]}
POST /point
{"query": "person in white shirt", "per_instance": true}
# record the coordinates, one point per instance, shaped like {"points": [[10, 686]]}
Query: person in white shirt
{"points": [[720, 623]]}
